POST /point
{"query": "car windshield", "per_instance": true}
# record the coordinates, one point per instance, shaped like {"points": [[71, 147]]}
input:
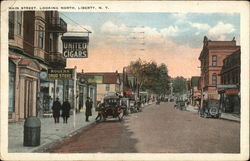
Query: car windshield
{"points": [[112, 102]]}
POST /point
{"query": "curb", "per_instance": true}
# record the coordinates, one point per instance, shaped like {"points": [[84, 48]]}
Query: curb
{"points": [[223, 118], [43, 147]]}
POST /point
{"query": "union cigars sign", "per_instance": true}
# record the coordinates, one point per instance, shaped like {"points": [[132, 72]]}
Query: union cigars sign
{"points": [[75, 46], [60, 74]]}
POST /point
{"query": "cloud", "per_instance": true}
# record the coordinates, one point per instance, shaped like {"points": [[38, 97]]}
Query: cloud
{"points": [[170, 31], [200, 26], [221, 29], [180, 15], [111, 28]]}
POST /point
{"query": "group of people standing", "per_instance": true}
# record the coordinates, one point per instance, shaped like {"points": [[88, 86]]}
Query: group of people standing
{"points": [[64, 110], [57, 108]]}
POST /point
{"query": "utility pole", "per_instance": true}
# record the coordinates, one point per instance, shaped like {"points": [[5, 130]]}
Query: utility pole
{"points": [[74, 110]]}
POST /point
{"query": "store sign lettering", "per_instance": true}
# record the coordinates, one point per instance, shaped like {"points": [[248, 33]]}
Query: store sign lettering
{"points": [[60, 74], [75, 50], [75, 46]]}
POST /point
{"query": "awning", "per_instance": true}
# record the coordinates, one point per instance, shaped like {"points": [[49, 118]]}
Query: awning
{"points": [[231, 91], [128, 92]]}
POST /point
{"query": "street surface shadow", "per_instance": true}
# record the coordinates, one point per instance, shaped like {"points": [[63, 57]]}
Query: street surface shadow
{"points": [[111, 136]]}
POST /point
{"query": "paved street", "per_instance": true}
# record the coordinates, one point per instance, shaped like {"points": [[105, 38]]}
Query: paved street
{"points": [[159, 128]]}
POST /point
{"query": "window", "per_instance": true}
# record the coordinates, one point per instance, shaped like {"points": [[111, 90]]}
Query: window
{"points": [[214, 79], [11, 25], [19, 23], [107, 87], [12, 73], [40, 37], [214, 60]]}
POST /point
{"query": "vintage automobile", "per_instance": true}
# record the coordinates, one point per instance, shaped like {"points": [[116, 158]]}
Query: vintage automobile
{"points": [[180, 104], [132, 106], [138, 106], [211, 108], [112, 108]]}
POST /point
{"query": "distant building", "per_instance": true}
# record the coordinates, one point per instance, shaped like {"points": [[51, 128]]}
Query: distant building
{"points": [[211, 58], [195, 91], [230, 83], [105, 83]]}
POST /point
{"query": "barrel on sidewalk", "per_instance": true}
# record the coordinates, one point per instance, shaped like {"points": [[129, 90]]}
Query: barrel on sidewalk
{"points": [[32, 131]]}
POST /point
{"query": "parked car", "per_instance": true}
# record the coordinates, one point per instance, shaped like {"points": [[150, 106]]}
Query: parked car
{"points": [[112, 108], [211, 108]]}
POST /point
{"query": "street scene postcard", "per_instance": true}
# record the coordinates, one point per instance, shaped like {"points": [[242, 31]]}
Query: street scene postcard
{"points": [[124, 80]]}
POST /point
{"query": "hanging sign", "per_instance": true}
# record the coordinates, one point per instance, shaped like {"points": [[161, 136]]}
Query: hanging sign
{"points": [[75, 46], [63, 74]]}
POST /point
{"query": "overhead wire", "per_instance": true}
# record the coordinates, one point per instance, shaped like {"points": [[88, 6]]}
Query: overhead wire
{"points": [[75, 22]]}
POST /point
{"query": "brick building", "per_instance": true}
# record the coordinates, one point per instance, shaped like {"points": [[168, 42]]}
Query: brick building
{"points": [[230, 83], [33, 47], [211, 58]]}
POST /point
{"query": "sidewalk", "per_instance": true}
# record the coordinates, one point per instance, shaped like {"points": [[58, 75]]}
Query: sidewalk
{"points": [[224, 116], [50, 132]]}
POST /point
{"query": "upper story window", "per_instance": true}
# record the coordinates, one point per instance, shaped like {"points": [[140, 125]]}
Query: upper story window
{"points": [[40, 37], [214, 79], [11, 24], [214, 60], [19, 23]]}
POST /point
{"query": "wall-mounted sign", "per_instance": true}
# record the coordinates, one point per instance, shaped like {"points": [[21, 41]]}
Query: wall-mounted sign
{"points": [[231, 91], [60, 73], [227, 86], [94, 79], [75, 46]]}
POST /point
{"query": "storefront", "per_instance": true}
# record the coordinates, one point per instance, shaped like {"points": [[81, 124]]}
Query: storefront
{"points": [[27, 88], [229, 98]]}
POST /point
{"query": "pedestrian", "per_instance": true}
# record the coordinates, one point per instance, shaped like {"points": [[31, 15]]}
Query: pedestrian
{"points": [[65, 111], [100, 110], [56, 110], [88, 112]]}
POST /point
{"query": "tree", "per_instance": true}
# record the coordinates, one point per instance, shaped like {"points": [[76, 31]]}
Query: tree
{"points": [[179, 85], [150, 77]]}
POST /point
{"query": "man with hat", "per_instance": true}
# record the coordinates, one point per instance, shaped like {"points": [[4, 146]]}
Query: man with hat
{"points": [[88, 112]]}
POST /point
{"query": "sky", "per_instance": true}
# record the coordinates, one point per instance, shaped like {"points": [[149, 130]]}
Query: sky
{"points": [[174, 39]]}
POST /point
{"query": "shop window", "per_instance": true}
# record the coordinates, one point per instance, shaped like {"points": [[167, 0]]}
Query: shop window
{"points": [[19, 23], [214, 60], [107, 87], [214, 79], [12, 73], [11, 24]]}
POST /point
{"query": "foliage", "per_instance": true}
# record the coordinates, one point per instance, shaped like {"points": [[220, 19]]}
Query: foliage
{"points": [[150, 76], [179, 85]]}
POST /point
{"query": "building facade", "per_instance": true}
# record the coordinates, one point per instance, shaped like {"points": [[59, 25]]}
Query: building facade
{"points": [[195, 91], [230, 83], [105, 83], [33, 48], [211, 58]]}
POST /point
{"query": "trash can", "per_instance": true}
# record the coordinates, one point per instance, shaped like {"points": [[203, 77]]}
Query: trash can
{"points": [[32, 130]]}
